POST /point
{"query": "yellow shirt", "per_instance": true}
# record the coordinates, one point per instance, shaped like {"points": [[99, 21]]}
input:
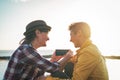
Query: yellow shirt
{"points": [[89, 64]]}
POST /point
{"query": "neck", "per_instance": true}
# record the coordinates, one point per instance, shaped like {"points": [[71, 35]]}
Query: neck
{"points": [[35, 44], [83, 41]]}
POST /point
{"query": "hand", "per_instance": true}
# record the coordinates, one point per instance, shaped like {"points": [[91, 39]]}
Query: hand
{"points": [[55, 58], [65, 59], [69, 54]]}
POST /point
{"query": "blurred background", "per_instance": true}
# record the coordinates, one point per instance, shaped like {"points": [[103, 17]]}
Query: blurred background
{"points": [[103, 16]]}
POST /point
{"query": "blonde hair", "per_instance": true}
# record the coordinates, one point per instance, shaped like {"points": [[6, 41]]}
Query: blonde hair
{"points": [[81, 26]]}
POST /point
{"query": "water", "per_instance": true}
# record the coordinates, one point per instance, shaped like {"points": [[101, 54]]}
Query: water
{"points": [[3, 65], [6, 52], [9, 52], [112, 64]]}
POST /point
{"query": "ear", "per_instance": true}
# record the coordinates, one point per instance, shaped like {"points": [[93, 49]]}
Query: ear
{"points": [[37, 32], [79, 33]]}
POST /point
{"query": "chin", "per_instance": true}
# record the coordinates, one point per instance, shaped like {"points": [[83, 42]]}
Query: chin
{"points": [[76, 46], [44, 45]]}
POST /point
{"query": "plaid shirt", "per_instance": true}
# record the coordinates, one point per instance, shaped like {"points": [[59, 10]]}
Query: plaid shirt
{"points": [[24, 63]]}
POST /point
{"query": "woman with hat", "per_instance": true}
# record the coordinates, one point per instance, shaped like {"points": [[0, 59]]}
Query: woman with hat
{"points": [[26, 63]]}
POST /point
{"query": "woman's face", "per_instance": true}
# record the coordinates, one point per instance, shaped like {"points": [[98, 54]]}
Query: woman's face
{"points": [[42, 38]]}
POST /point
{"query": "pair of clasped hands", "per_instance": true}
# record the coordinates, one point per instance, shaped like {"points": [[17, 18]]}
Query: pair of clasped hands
{"points": [[62, 59]]}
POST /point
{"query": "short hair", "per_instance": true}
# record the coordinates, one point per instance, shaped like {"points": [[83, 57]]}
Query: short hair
{"points": [[81, 26]]}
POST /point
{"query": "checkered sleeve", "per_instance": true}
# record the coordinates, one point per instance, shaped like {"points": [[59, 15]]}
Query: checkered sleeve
{"points": [[33, 57]]}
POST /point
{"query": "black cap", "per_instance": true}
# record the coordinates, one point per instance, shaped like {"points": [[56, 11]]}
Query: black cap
{"points": [[37, 24]]}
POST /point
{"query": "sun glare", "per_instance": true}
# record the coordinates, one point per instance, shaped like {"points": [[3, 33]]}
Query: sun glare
{"points": [[21, 0]]}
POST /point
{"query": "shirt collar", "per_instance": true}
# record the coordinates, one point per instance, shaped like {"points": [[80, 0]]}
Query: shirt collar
{"points": [[85, 44]]}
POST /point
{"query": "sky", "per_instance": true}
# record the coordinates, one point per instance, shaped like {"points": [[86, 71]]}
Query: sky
{"points": [[103, 16]]}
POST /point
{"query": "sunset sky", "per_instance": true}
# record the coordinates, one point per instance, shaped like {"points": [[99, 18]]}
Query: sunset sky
{"points": [[103, 16]]}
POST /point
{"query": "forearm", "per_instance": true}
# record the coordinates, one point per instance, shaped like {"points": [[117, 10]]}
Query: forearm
{"points": [[63, 61]]}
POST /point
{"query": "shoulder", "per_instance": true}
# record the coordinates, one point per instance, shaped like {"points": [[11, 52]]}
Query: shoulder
{"points": [[91, 52]]}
